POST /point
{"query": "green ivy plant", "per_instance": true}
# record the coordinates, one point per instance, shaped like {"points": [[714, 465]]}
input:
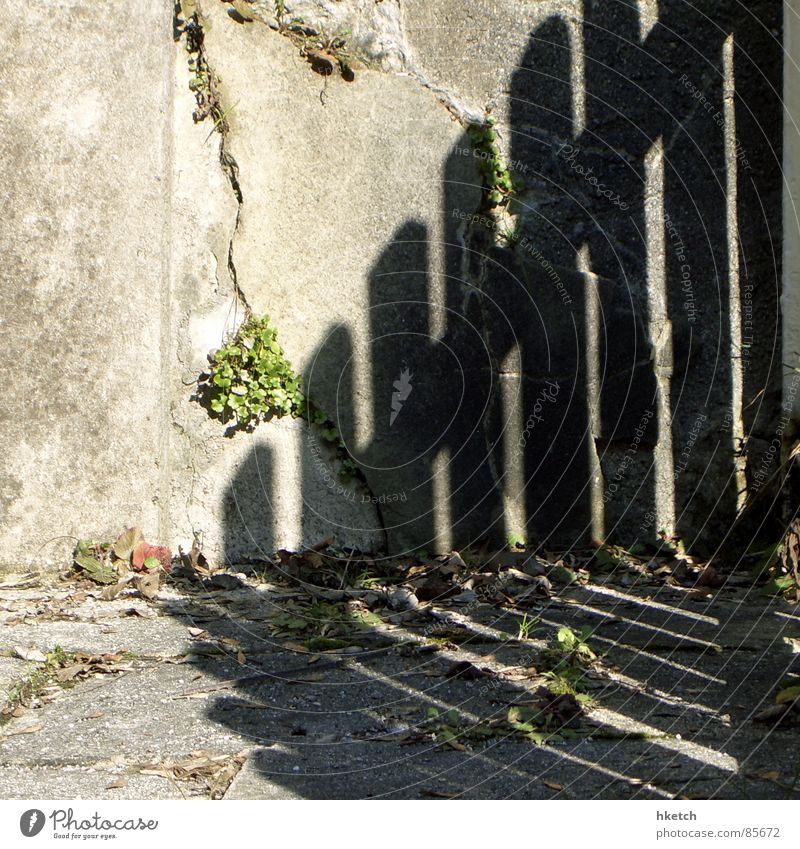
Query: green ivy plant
{"points": [[250, 380], [497, 183]]}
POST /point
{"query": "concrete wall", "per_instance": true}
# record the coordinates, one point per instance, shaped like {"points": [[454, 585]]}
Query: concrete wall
{"points": [[130, 253], [85, 240]]}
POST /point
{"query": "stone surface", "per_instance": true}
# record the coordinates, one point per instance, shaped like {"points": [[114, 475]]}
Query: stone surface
{"points": [[130, 254], [470, 49], [696, 290], [84, 286], [248, 494], [11, 671], [374, 31], [374, 156], [42, 782], [672, 715], [502, 395]]}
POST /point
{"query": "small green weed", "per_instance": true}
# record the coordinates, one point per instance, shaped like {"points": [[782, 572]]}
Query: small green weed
{"points": [[515, 540], [526, 626], [497, 183], [565, 662], [43, 674], [250, 380]]}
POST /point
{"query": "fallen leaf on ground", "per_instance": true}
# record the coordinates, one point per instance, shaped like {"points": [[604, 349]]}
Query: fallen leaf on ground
{"points": [[127, 542], [32, 654], [437, 794], [774, 713], [67, 673], [112, 591], [99, 572], [223, 581], [31, 729], [147, 584], [116, 785], [144, 550], [553, 785], [213, 769], [562, 575], [788, 694]]}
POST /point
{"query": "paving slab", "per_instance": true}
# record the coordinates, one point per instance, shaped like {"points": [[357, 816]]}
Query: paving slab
{"points": [[11, 671], [64, 782], [669, 715]]}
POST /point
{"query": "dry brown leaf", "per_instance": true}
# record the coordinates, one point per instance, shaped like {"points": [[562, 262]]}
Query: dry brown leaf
{"points": [[157, 770], [437, 794], [31, 729], [773, 713], [134, 611], [31, 654], [67, 673], [467, 671], [553, 785], [112, 591], [147, 584], [95, 714], [116, 785]]}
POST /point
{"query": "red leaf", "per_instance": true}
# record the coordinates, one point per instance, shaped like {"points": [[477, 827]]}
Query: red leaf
{"points": [[144, 550]]}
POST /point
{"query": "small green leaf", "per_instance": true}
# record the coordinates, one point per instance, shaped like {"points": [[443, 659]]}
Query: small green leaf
{"points": [[778, 585], [96, 570], [562, 574], [788, 694]]}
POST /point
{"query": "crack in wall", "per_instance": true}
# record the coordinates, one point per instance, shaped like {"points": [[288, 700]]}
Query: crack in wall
{"points": [[210, 105], [206, 86]]}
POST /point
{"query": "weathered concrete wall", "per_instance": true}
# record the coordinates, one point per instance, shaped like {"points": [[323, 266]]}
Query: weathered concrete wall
{"points": [[84, 238], [244, 494], [352, 213]]}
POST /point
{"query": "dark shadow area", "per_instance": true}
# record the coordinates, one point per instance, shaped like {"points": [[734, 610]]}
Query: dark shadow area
{"points": [[418, 703], [616, 341]]}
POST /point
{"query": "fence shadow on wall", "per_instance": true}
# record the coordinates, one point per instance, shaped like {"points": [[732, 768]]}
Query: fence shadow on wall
{"points": [[590, 380]]}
